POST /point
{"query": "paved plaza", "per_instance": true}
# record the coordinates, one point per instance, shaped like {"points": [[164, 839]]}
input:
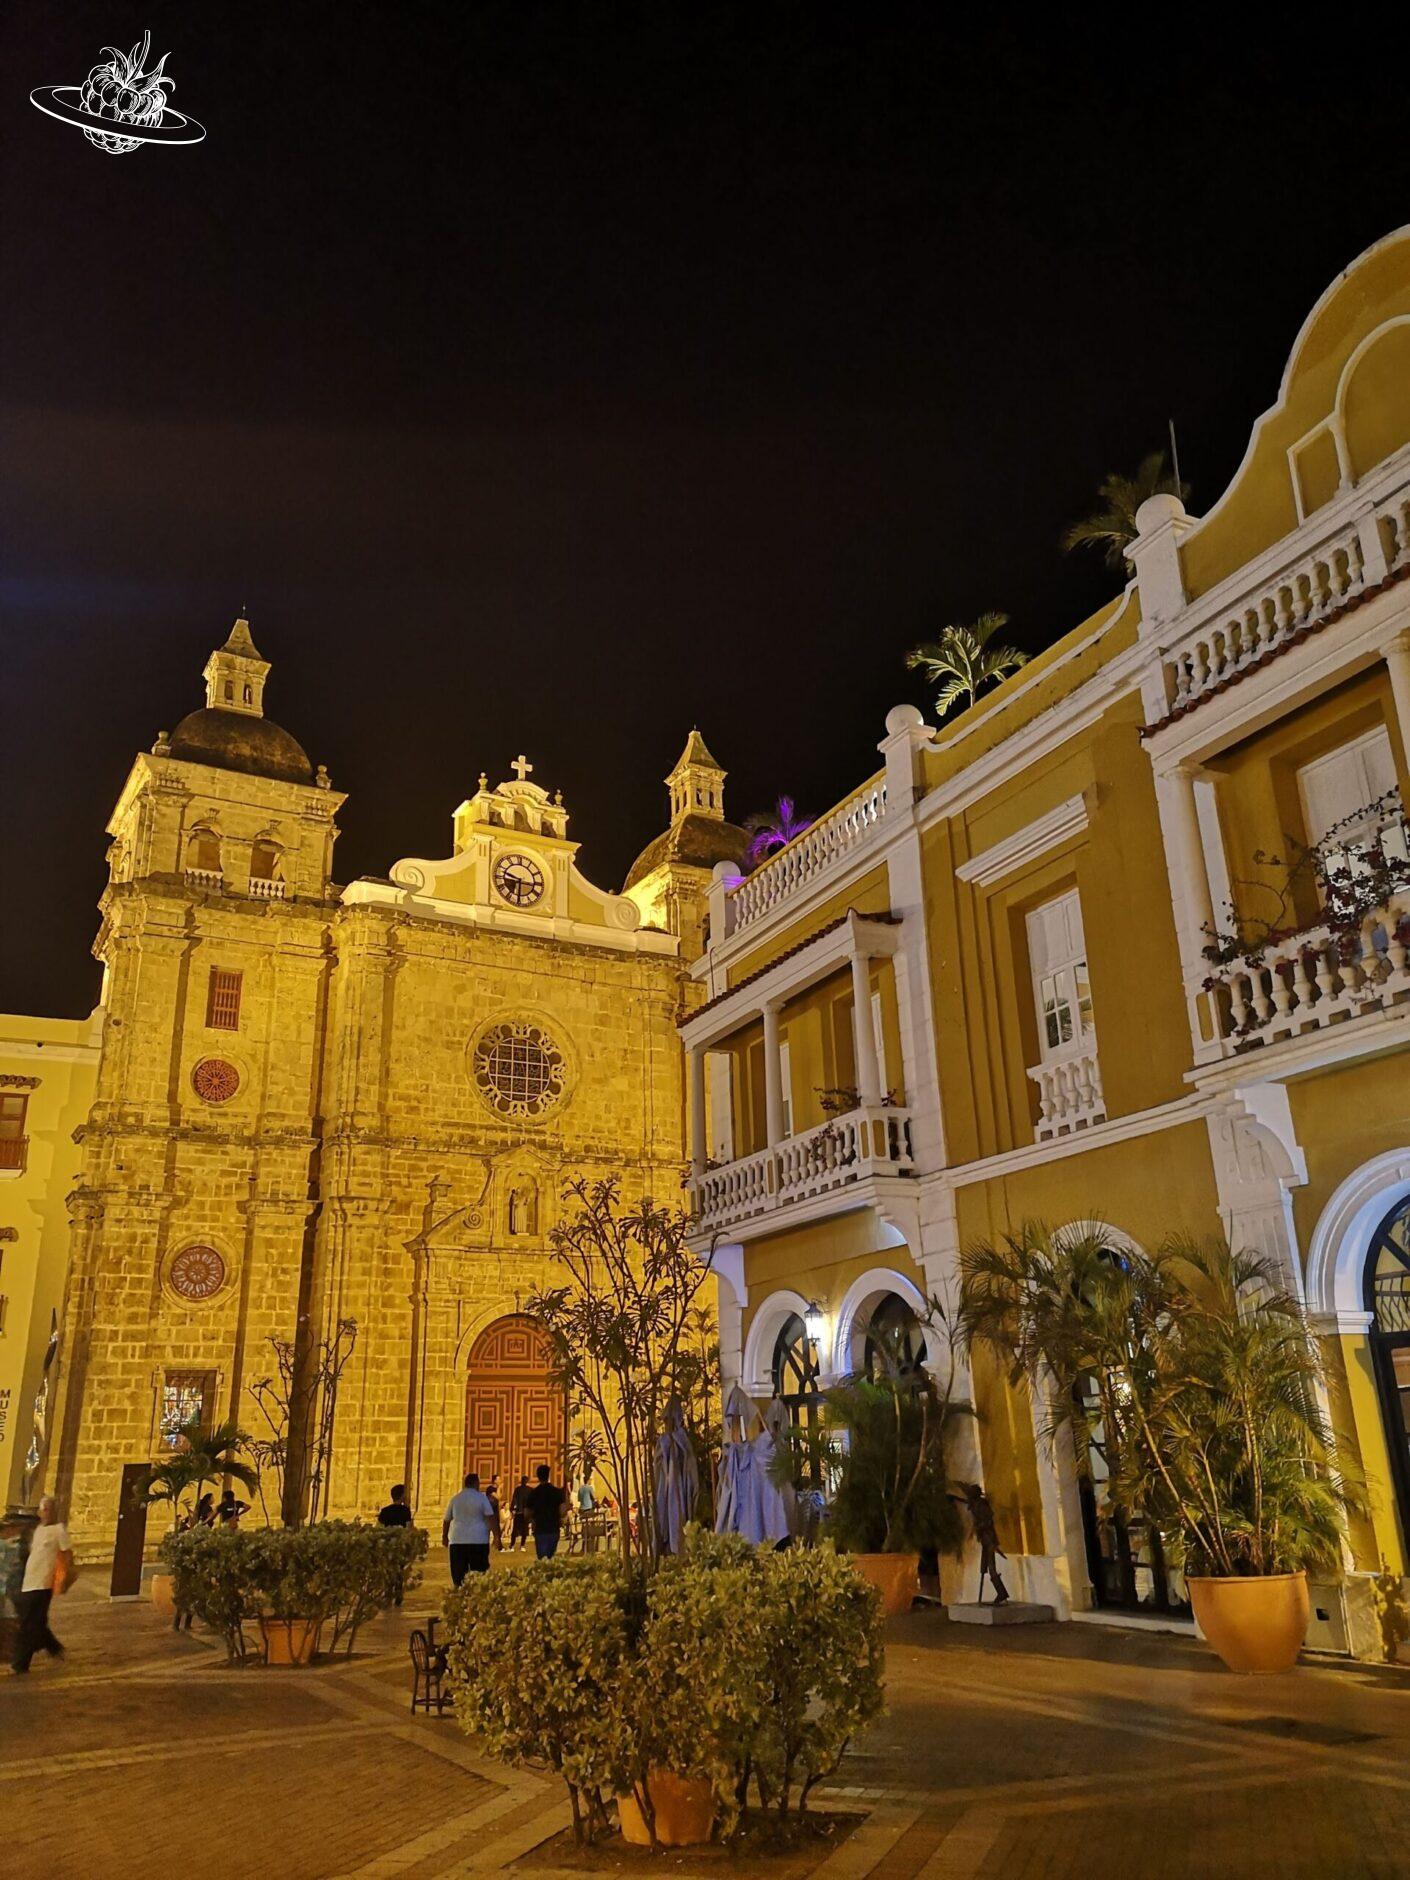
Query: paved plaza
{"points": [[1047, 1751]]}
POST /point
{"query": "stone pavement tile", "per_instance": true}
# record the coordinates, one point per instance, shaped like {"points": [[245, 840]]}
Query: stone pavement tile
{"points": [[305, 1812]]}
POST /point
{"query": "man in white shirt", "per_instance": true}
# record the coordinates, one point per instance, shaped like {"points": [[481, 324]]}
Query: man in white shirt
{"points": [[48, 1545], [466, 1530]]}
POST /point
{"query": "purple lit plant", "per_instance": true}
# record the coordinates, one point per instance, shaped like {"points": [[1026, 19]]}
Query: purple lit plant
{"points": [[774, 829]]}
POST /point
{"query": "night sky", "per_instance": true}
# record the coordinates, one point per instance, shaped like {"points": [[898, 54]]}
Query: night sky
{"points": [[555, 377]]}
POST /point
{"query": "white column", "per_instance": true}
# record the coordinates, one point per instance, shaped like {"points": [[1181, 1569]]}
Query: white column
{"points": [[863, 1037], [697, 1109], [1398, 665], [773, 1077], [1198, 903]]}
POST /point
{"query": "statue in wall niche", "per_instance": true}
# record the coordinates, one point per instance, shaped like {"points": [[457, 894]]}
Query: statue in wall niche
{"points": [[980, 1510]]}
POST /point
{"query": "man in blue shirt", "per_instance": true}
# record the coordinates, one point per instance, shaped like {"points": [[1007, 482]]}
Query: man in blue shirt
{"points": [[466, 1530]]}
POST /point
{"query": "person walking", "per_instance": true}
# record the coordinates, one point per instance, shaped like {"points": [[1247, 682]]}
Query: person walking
{"points": [[497, 1525], [396, 1513], [466, 1530], [519, 1514], [50, 1560], [545, 1503]]}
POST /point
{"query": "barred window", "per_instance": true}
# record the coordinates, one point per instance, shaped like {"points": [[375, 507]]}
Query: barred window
{"points": [[223, 1000], [186, 1399], [518, 1069]]}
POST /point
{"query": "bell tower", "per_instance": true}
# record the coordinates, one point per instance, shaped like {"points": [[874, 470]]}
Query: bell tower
{"points": [[235, 674], [697, 784]]}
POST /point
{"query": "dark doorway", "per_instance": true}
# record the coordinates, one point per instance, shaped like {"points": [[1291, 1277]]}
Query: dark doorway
{"points": [[1388, 1302]]}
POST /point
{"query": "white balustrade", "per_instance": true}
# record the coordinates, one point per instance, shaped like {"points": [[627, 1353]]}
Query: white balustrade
{"points": [[806, 857], [1070, 1093], [1324, 571], [266, 888], [1313, 980], [206, 878], [874, 1140]]}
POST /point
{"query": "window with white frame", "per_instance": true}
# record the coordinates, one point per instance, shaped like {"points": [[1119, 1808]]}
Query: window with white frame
{"points": [[785, 1079], [1354, 791], [718, 1065], [1062, 992]]}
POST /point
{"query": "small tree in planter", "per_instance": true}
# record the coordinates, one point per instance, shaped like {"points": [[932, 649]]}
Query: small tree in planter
{"points": [[618, 1330], [299, 1402], [1204, 1408], [199, 1456], [884, 1442]]}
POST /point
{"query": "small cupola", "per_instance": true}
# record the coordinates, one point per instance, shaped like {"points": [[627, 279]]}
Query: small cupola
{"points": [[697, 784], [235, 675]]}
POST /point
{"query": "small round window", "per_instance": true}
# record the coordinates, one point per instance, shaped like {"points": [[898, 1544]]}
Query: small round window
{"points": [[518, 1069]]}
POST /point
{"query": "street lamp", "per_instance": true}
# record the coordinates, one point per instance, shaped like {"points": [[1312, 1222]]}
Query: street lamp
{"points": [[814, 1322]]}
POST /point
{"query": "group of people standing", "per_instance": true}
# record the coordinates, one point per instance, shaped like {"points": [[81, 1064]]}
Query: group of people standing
{"points": [[473, 1522]]}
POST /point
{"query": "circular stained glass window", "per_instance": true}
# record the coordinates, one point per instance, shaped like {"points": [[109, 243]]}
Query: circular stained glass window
{"points": [[197, 1273], [215, 1080], [518, 1069]]}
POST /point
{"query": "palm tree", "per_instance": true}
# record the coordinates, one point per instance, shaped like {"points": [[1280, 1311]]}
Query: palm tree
{"points": [[962, 660], [774, 829], [1112, 527], [200, 1455]]}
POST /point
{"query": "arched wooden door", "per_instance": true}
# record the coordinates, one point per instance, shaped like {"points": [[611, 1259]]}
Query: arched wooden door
{"points": [[515, 1416]]}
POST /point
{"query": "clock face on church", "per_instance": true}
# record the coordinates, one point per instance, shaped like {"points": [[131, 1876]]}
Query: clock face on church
{"points": [[518, 879]]}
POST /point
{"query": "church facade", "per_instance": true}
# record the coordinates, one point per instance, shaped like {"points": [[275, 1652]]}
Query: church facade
{"points": [[321, 1106]]}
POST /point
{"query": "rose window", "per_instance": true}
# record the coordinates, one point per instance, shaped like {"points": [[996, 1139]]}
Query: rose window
{"points": [[215, 1080], [197, 1273], [518, 1069]]}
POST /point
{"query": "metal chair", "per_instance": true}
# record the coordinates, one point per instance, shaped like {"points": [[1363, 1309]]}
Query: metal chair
{"points": [[428, 1665]]}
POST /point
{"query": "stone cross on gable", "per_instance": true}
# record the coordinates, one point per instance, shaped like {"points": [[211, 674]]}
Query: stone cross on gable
{"points": [[521, 767]]}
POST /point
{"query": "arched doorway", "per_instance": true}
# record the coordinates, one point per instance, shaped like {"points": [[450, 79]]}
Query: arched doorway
{"points": [[894, 1341], [797, 1384], [515, 1415], [1388, 1302]]}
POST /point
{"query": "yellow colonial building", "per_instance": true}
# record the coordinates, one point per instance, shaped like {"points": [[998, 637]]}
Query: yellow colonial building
{"points": [[317, 1105], [48, 1067], [978, 991]]}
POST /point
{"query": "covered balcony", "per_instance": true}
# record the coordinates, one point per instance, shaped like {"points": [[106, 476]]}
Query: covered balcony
{"points": [[865, 1137]]}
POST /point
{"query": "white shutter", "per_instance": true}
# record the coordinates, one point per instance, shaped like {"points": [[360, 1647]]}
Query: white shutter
{"points": [[878, 1032], [721, 1136], [1057, 959], [1055, 934], [1333, 788]]}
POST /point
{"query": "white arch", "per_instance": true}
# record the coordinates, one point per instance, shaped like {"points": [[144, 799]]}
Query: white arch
{"points": [[764, 1328], [858, 1303], [1341, 1240], [1092, 1225]]}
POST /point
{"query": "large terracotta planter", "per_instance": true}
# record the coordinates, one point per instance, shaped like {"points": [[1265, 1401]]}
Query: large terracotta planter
{"points": [[685, 1811], [895, 1576], [1255, 1624], [162, 1596], [289, 1641]]}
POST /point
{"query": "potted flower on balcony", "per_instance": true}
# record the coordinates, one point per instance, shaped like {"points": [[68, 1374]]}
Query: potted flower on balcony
{"points": [[1191, 1375]]}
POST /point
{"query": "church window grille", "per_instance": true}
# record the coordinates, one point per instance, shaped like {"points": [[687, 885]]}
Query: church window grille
{"points": [[223, 1000], [186, 1398], [518, 1069]]}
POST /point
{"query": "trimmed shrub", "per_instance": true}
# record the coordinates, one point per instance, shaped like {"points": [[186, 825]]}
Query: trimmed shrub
{"points": [[750, 1670], [338, 1571]]}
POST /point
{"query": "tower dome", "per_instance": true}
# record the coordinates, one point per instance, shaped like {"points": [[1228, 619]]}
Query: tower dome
{"points": [[231, 731]]}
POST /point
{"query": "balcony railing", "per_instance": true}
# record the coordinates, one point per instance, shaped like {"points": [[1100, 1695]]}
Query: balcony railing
{"points": [[1315, 979], [1326, 568], [806, 857], [867, 1141], [206, 878], [14, 1152], [1069, 1093], [266, 888]]}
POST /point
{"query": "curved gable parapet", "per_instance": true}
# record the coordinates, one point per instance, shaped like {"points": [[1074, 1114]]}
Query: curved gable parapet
{"points": [[1343, 407]]}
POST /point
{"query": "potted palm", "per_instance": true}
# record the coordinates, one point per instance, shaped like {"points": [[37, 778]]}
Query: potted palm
{"points": [[883, 1443], [198, 1456], [1191, 1374]]}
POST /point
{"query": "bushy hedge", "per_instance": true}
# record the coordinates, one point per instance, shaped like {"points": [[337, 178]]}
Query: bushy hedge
{"points": [[749, 1669], [338, 1571]]}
